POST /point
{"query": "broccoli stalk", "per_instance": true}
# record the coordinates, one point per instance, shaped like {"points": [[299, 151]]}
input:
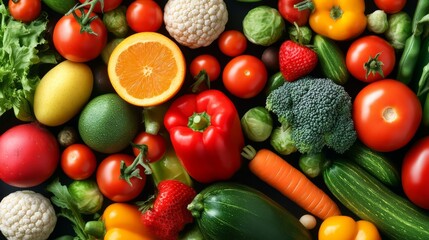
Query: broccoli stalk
{"points": [[316, 112]]}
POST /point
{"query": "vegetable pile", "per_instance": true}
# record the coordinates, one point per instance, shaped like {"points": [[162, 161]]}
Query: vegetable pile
{"points": [[279, 119]]}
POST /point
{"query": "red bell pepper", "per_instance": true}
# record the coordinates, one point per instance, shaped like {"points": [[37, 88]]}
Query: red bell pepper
{"points": [[206, 134]]}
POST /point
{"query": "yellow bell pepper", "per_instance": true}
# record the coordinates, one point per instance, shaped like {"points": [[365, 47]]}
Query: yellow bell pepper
{"points": [[336, 19], [120, 221], [346, 228]]}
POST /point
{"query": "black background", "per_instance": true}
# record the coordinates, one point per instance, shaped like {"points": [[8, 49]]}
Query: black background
{"points": [[237, 11]]}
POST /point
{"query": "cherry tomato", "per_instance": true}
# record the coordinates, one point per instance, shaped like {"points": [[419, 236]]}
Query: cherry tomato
{"points": [[156, 146], [112, 185], [289, 12], [78, 161], [108, 5], [390, 6], [232, 43], [79, 46], [415, 173], [208, 63], [386, 114], [25, 10], [370, 58], [144, 16], [245, 76]]}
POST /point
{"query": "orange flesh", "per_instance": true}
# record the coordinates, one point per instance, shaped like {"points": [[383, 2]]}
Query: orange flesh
{"points": [[157, 69]]}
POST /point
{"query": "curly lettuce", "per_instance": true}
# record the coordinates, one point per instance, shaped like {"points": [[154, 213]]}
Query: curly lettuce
{"points": [[23, 48]]}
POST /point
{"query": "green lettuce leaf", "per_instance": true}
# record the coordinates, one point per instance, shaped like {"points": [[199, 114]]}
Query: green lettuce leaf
{"points": [[20, 57]]}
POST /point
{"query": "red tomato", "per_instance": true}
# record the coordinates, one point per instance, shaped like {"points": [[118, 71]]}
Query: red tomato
{"points": [[208, 63], [370, 58], [25, 10], [156, 146], [232, 43], [79, 46], [108, 5], [415, 173], [245, 76], [291, 14], [78, 161], [386, 114], [144, 16], [390, 6], [29, 155], [112, 185]]}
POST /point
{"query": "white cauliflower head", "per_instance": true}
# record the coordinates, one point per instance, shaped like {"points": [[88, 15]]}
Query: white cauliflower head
{"points": [[195, 23], [26, 215]]}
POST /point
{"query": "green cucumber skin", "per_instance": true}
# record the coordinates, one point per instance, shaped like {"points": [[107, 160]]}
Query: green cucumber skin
{"points": [[369, 199], [376, 163], [331, 59], [234, 211]]}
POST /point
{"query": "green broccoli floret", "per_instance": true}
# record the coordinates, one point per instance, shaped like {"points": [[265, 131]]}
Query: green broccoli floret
{"points": [[318, 113]]}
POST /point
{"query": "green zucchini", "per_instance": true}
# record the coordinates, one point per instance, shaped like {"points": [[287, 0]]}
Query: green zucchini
{"points": [[58, 6], [331, 59], [235, 211], [376, 163], [371, 200]]}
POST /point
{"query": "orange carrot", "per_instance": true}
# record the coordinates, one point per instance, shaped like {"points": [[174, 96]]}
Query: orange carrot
{"points": [[291, 182]]}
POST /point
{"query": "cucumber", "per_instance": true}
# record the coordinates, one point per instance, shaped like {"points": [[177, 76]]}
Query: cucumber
{"points": [[58, 6], [376, 163], [371, 200], [235, 211], [331, 59]]}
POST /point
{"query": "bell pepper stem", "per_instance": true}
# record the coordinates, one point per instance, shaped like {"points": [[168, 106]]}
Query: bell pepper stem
{"points": [[199, 121]]}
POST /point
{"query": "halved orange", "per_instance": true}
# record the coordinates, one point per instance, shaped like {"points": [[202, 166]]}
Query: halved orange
{"points": [[147, 69]]}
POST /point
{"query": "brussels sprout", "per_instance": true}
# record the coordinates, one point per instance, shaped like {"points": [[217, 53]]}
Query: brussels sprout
{"points": [[87, 196], [108, 49], [116, 21], [257, 124], [400, 28], [312, 164], [281, 140], [301, 34], [377, 21], [263, 25]]}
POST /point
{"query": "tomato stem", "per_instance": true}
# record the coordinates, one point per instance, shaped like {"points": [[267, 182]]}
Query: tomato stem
{"points": [[128, 172], [85, 18]]}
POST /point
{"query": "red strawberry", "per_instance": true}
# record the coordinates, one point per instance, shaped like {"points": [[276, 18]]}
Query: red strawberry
{"points": [[296, 60], [169, 213]]}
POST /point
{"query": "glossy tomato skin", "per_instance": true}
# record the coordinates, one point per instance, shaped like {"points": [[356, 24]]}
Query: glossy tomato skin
{"points": [[232, 43], [390, 6], [29, 155], [144, 16], [292, 14], [208, 63], [78, 161], [25, 10], [415, 173], [364, 48], [109, 181], [156, 146], [386, 114], [108, 5], [75, 45], [245, 76]]}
